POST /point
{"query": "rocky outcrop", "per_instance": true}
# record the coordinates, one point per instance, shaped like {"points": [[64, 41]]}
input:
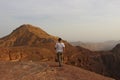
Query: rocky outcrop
{"points": [[26, 54]]}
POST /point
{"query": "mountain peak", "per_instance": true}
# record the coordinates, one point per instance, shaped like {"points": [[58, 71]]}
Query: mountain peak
{"points": [[28, 26], [27, 34], [32, 29]]}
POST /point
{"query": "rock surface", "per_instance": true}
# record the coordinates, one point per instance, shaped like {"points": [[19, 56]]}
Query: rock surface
{"points": [[45, 71]]}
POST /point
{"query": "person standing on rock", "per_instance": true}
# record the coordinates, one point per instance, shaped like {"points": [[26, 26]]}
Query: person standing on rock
{"points": [[60, 48]]}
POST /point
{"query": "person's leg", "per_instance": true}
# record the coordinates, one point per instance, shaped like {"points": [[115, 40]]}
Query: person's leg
{"points": [[62, 57], [59, 58]]}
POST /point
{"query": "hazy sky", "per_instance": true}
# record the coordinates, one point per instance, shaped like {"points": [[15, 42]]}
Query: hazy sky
{"points": [[73, 20]]}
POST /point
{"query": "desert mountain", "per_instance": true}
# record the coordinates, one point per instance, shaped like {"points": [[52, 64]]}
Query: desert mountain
{"points": [[30, 43], [26, 35], [45, 71], [98, 46], [27, 42]]}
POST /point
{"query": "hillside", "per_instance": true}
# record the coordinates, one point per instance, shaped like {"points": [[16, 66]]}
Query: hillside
{"points": [[26, 35], [44, 71], [30, 43]]}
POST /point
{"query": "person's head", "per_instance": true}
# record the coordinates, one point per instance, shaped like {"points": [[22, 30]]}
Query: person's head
{"points": [[59, 39]]}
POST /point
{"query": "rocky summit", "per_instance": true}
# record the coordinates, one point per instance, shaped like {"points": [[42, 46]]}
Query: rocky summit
{"points": [[26, 35]]}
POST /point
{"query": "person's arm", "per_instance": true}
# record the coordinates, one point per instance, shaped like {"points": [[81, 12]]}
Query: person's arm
{"points": [[63, 47], [55, 46]]}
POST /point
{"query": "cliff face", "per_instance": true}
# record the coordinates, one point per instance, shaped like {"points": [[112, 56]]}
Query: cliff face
{"points": [[103, 62], [111, 60], [116, 61], [88, 60]]}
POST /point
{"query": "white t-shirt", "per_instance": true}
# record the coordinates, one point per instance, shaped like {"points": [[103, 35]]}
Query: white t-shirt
{"points": [[59, 47]]}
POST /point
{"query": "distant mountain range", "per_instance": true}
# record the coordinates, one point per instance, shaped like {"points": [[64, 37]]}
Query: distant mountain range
{"points": [[98, 46]]}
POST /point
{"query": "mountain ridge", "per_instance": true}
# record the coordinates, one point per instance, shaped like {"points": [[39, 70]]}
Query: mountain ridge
{"points": [[26, 33], [97, 46], [30, 44]]}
